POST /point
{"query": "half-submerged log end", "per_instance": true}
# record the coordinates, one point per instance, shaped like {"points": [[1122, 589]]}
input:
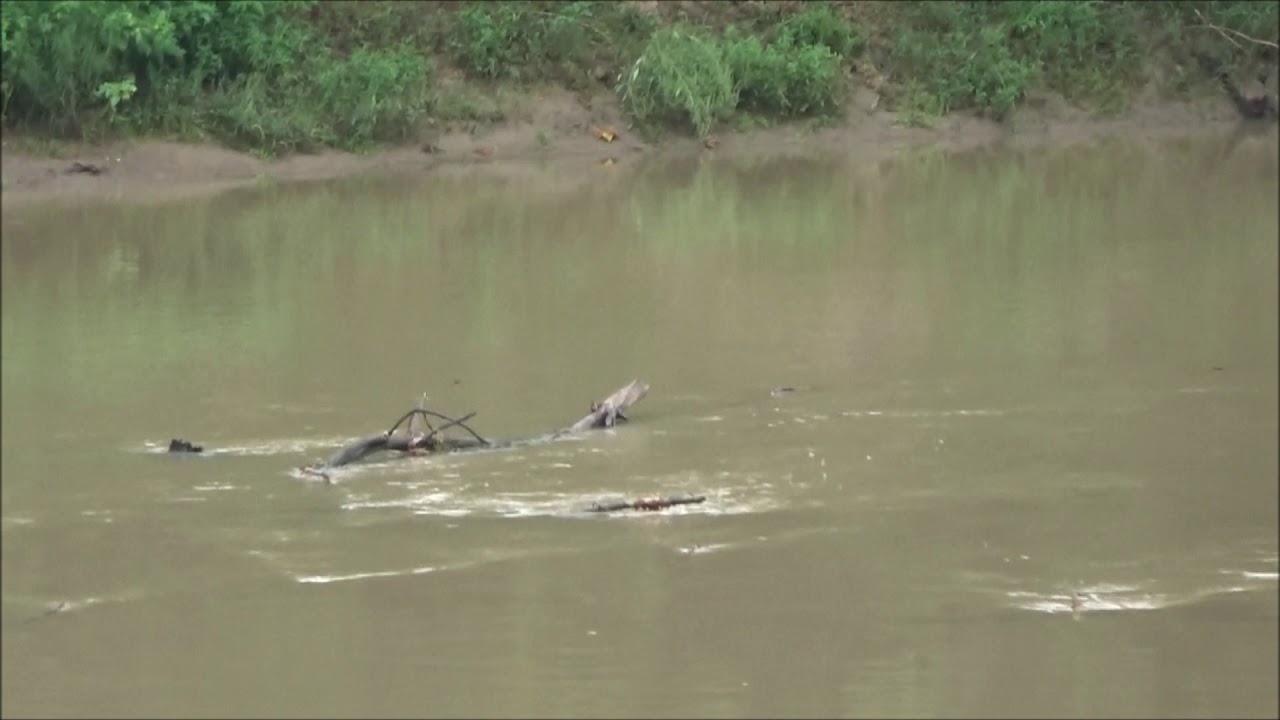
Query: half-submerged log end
{"points": [[178, 445], [608, 411]]}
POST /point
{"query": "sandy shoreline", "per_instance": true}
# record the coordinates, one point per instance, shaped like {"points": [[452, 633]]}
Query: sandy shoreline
{"points": [[560, 133]]}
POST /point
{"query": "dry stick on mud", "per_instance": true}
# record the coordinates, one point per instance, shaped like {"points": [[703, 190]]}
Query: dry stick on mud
{"points": [[603, 414]]}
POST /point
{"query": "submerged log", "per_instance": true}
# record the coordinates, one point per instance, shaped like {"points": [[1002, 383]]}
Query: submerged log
{"points": [[650, 504], [604, 414]]}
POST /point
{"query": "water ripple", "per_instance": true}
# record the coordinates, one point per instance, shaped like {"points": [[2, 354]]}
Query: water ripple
{"points": [[1112, 598], [324, 579]]}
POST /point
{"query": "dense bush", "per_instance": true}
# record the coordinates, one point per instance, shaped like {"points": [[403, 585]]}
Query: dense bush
{"points": [[367, 97], [784, 79], [517, 40], [985, 56], [689, 76], [546, 41], [682, 77], [965, 67], [252, 72], [819, 25]]}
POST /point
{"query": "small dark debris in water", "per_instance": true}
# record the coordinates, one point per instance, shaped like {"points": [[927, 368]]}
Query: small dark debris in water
{"points": [[457, 381], [178, 445], [1217, 367], [87, 168], [55, 609], [649, 504], [782, 390]]}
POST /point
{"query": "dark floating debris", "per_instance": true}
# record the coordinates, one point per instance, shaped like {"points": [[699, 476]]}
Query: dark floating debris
{"points": [[54, 609], [647, 504], [86, 168], [178, 445]]}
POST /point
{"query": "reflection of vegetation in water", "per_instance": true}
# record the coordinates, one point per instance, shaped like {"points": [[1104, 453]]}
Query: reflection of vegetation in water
{"points": [[1062, 242], [767, 206], [95, 304], [989, 257]]}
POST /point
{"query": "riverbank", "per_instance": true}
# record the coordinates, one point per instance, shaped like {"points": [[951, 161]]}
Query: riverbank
{"points": [[560, 134], [211, 94]]}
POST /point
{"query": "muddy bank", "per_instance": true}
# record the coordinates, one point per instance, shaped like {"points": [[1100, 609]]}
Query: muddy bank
{"points": [[565, 135]]}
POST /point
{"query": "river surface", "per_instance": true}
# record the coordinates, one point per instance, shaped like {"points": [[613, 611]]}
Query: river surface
{"points": [[1028, 466]]}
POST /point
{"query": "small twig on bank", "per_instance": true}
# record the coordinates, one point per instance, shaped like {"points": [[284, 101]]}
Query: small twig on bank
{"points": [[1223, 31]]}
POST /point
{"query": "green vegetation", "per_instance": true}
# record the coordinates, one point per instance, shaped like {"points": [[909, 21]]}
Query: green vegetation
{"points": [[987, 56], [301, 75], [681, 75], [253, 74]]}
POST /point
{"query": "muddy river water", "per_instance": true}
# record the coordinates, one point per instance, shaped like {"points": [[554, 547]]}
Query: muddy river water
{"points": [[1029, 465]]}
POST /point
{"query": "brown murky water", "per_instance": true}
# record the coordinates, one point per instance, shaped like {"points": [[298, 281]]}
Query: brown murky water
{"points": [[1019, 376]]}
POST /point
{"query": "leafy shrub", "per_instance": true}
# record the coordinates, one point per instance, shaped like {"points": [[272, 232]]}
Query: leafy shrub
{"points": [[957, 59], [682, 76], [56, 57], [967, 68], [252, 72], [782, 78], [818, 25], [374, 95], [985, 55], [1075, 44], [519, 41]]}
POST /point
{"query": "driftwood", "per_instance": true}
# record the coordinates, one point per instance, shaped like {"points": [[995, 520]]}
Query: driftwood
{"points": [[646, 504], [604, 414]]}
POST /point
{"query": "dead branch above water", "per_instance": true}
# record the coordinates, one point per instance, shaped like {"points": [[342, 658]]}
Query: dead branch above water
{"points": [[603, 414]]}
